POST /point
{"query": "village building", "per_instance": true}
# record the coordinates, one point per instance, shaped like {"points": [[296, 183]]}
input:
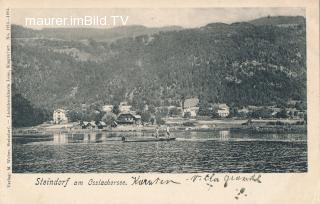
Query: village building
{"points": [[84, 107], [274, 110], [128, 119], [191, 106], [301, 114], [124, 107], [107, 108], [222, 109], [253, 108], [101, 125], [193, 111], [60, 116], [145, 107], [293, 102], [244, 112], [177, 111], [293, 113], [88, 125]]}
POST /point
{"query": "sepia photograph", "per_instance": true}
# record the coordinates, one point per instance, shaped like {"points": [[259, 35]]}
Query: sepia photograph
{"points": [[166, 90]]}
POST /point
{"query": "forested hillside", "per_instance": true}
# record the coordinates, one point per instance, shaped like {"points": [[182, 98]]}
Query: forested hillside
{"points": [[260, 62]]}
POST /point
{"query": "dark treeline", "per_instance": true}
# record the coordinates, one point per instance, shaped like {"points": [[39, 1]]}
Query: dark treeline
{"points": [[24, 114]]}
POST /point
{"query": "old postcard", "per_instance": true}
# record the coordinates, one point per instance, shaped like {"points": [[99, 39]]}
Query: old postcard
{"points": [[139, 102]]}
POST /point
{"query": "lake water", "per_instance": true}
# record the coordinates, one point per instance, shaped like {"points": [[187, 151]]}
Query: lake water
{"points": [[219, 151]]}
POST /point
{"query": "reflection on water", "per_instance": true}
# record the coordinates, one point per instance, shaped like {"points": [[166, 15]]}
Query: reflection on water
{"points": [[219, 151], [224, 134], [62, 138]]}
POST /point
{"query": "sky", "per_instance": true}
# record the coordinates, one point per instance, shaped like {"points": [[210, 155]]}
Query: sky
{"points": [[184, 17]]}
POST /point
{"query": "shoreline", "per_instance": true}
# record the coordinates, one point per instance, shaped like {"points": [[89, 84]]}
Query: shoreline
{"points": [[257, 126]]}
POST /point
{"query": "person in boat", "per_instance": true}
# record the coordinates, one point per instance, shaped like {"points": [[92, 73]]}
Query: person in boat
{"points": [[157, 132], [123, 139], [168, 131]]}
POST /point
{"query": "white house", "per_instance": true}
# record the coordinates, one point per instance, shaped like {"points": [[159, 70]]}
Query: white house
{"points": [[191, 106], [60, 116], [193, 111], [124, 107], [107, 108], [222, 110]]}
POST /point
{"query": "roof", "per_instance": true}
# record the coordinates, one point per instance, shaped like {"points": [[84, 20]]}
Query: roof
{"points": [[126, 113], [102, 123], [123, 103], [59, 110], [191, 102], [107, 106], [243, 110], [221, 105], [92, 123], [131, 114], [253, 107]]}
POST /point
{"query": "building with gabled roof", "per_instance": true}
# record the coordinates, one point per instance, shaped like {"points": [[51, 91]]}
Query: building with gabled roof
{"points": [[222, 109], [60, 116]]}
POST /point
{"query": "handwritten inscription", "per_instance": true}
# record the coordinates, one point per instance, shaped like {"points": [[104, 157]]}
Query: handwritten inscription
{"points": [[212, 178], [209, 180], [137, 180], [230, 178]]}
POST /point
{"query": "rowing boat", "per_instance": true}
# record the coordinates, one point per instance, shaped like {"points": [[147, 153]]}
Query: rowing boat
{"points": [[151, 140]]}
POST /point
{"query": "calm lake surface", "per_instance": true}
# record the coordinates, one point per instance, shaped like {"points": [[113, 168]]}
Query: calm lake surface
{"points": [[219, 151]]}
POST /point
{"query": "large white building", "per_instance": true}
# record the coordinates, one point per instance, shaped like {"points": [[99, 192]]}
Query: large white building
{"points": [[222, 110], [60, 116]]}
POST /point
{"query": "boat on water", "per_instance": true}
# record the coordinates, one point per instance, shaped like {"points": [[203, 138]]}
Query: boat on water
{"points": [[148, 139]]}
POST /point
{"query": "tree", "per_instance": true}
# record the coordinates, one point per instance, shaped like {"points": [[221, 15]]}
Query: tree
{"points": [[233, 111], [109, 118], [215, 115], [74, 116], [187, 115], [138, 103], [153, 120], [116, 109], [215, 112], [301, 106], [174, 111], [204, 108], [145, 117], [166, 103], [164, 112], [159, 120], [262, 113], [98, 116], [152, 109], [24, 114]]}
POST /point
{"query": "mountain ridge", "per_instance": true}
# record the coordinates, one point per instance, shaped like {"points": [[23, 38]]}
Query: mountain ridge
{"points": [[99, 34], [239, 63]]}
